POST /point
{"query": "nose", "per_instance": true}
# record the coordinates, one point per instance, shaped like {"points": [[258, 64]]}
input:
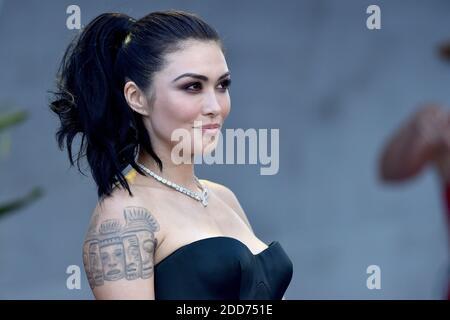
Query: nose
{"points": [[212, 106]]}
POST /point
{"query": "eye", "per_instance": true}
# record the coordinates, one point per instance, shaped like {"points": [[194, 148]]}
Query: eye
{"points": [[196, 86], [226, 84]]}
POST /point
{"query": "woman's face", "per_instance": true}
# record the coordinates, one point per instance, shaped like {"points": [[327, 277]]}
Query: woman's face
{"points": [[181, 101]]}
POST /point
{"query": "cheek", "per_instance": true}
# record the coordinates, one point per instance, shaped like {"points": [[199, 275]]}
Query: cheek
{"points": [[225, 106], [182, 109], [175, 112]]}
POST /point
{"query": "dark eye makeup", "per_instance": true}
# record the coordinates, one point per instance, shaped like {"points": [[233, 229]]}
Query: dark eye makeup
{"points": [[198, 85]]}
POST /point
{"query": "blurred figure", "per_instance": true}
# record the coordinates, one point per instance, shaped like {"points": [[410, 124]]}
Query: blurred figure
{"points": [[423, 140]]}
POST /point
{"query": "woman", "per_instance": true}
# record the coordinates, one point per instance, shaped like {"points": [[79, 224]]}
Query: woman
{"points": [[159, 233], [422, 140]]}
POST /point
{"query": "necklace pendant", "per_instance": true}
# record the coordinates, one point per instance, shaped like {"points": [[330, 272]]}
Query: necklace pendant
{"points": [[205, 197]]}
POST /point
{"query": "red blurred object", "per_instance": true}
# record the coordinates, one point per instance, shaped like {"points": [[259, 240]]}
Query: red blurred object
{"points": [[444, 51]]}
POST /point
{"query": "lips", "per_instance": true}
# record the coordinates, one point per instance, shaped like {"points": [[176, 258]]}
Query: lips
{"points": [[211, 126]]}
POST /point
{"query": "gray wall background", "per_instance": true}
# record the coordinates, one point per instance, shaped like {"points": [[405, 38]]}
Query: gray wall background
{"points": [[335, 90]]}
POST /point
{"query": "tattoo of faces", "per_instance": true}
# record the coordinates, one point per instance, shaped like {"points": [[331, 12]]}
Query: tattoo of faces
{"points": [[113, 251]]}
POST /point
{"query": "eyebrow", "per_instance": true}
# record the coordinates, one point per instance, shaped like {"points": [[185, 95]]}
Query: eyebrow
{"points": [[199, 76]]}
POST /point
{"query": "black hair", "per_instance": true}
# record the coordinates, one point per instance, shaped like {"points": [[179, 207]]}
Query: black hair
{"points": [[89, 99]]}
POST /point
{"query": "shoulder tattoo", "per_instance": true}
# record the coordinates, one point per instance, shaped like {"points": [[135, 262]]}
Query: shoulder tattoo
{"points": [[112, 251]]}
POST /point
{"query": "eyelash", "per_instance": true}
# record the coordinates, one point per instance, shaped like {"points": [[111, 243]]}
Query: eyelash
{"points": [[226, 84]]}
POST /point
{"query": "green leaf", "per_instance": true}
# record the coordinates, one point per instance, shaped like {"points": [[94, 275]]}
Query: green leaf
{"points": [[14, 205], [8, 120], [5, 144]]}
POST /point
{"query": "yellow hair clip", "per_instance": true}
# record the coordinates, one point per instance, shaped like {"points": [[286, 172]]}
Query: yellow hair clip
{"points": [[127, 39]]}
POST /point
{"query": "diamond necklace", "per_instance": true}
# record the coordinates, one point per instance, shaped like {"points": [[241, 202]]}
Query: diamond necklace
{"points": [[202, 197]]}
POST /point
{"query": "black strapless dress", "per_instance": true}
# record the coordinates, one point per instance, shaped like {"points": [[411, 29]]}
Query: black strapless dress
{"points": [[223, 268]]}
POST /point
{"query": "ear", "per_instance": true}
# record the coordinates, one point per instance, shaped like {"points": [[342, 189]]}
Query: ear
{"points": [[135, 98]]}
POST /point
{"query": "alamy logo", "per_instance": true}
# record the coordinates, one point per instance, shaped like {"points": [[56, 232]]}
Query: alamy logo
{"points": [[74, 279], [74, 19], [209, 148], [373, 22], [374, 280]]}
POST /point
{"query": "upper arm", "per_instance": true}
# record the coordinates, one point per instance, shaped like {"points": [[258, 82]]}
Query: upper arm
{"points": [[230, 198], [118, 252], [402, 157], [414, 144]]}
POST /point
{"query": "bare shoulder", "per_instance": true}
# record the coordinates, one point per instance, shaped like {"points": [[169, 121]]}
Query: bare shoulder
{"points": [[222, 191], [119, 248], [228, 196], [114, 206], [126, 210]]}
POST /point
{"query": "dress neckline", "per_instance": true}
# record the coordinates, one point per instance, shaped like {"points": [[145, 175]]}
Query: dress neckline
{"points": [[196, 242]]}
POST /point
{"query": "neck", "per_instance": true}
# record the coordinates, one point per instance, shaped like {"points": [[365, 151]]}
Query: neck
{"points": [[181, 174]]}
